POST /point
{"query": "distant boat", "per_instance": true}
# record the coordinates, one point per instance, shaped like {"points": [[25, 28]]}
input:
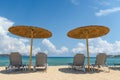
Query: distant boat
{"points": [[4, 54], [113, 55]]}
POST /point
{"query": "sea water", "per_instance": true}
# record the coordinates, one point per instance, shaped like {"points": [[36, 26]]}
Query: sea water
{"points": [[56, 61]]}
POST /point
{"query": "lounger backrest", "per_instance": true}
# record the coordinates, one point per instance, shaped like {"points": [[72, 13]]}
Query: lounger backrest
{"points": [[101, 59], [41, 59], [15, 59], [79, 59]]}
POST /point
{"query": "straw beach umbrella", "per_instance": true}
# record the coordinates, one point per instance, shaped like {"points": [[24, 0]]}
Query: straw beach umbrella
{"points": [[85, 32], [30, 32]]}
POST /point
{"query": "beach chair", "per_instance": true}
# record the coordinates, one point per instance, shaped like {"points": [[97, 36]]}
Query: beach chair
{"points": [[100, 62], [41, 61], [78, 62], [15, 62]]}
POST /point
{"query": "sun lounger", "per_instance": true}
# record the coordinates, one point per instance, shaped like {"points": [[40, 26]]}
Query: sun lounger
{"points": [[41, 61], [100, 62], [15, 62], [78, 62]]}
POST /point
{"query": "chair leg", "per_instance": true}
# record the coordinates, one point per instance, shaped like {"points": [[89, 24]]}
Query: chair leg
{"points": [[34, 68], [84, 68], [106, 67]]}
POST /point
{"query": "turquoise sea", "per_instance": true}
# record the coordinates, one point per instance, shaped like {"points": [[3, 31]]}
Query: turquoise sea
{"points": [[55, 61]]}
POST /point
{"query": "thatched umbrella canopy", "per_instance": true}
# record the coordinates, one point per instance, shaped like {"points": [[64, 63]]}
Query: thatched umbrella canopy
{"points": [[30, 32], [85, 32]]}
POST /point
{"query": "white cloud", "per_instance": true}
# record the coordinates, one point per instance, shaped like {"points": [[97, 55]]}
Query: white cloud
{"points": [[107, 11], [11, 44], [98, 45], [75, 2], [52, 49], [105, 3], [4, 25], [108, 2], [79, 49]]}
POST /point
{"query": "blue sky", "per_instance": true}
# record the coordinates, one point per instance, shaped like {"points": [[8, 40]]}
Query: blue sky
{"points": [[60, 16]]}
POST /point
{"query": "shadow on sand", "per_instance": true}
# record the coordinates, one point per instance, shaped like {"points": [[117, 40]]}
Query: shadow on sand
{"points": [[21, 71], [74, 71], [115, 68]]}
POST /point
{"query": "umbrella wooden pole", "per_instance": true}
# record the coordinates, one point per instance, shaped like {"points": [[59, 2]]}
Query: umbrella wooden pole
{"points": [[87, 46], [31, 42]]}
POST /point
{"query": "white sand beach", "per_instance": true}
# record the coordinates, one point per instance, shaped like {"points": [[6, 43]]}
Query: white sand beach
{"points": [[59, 73]]}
